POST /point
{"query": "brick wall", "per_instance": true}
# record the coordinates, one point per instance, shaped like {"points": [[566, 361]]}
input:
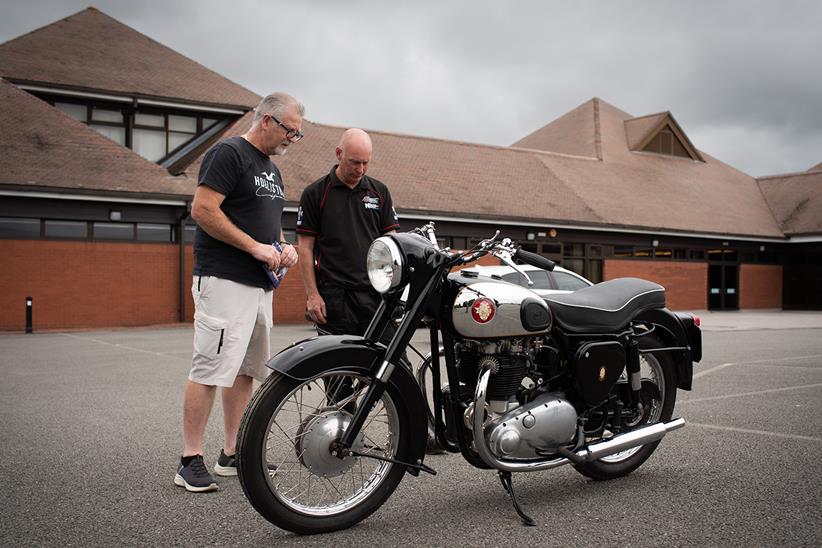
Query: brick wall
{"points": [[760, 286], [685, 283], [110, 284], [87, 284]]}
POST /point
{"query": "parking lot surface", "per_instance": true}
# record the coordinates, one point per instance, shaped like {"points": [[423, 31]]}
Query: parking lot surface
{"points": [[91, 430]]}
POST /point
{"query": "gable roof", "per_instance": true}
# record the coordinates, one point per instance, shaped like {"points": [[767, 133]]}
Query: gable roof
{"points": [[90, 51], [795, 200], [44, 148], [641, 131], [628, 189]]}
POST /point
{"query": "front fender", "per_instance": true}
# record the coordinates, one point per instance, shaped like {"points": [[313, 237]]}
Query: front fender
{"points": [[309, 358]]}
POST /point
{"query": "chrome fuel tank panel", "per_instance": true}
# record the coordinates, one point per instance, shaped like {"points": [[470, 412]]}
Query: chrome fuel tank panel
{"points": [[488, 310]]}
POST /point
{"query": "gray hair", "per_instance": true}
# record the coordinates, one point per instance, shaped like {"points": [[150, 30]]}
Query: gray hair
{"points": [[277, 104]]}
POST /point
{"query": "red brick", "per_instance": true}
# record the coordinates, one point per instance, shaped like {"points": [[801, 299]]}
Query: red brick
{"points": [[686, 284]]}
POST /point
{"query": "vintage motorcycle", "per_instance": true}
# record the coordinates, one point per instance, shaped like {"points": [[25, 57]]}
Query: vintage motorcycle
{"points": [[587, 378]]}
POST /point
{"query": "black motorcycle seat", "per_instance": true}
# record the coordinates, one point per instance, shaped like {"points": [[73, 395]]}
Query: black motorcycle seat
{"points": [[605, 307]]}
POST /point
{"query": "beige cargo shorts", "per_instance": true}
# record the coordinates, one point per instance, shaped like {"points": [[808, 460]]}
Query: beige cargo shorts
{"points": [[232, 323]]}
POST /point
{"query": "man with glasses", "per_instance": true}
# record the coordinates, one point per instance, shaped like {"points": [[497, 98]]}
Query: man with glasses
{"points": [[238, 207]]}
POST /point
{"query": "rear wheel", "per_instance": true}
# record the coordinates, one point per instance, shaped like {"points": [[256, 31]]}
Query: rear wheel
{"points": [[284, 452], [658, 396]]}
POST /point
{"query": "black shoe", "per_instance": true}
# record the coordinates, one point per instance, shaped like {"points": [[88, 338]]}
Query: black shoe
{"points": [[227, 466], [432, 446], [194, 476]]}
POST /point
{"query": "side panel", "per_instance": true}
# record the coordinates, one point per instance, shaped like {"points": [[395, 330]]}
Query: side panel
{"points": [[309, 358], [670, 329]]}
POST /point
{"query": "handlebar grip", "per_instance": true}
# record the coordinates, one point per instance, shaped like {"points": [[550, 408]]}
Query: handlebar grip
{"points": [[534, 260]]}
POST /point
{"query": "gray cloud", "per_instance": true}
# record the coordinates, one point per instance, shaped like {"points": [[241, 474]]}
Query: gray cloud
{"points": [[741, 77]]}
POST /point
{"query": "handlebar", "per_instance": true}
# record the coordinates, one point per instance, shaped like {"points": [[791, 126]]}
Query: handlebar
{"points": [[534, 260]]}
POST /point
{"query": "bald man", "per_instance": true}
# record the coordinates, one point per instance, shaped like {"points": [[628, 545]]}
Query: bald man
{"points": [[340, 215]]}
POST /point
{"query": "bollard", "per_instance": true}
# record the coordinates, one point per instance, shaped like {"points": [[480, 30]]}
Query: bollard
{"points": [[29, 303]]}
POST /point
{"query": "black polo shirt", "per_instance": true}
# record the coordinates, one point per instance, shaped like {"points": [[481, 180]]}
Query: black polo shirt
{"points": [[344, 222]]}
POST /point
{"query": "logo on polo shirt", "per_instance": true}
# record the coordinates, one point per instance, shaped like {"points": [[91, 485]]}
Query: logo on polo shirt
{"points": [[371, 202], [269, 185]]}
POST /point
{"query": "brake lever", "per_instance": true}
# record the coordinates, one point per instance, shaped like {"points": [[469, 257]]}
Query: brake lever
{"points": [[503, 252]]}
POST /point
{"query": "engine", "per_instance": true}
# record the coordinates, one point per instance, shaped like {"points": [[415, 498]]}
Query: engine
{"points": [[524, 418]]}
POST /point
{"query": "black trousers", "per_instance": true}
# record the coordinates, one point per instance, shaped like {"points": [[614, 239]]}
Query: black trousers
{"points": [[348, 311]]}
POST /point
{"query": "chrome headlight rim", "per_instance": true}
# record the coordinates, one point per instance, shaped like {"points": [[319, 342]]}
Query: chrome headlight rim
{"points": [[376, 272]]}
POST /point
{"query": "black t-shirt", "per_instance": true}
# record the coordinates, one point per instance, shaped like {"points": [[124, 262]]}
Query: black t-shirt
{"points": [[344, 222], [253, 190]]}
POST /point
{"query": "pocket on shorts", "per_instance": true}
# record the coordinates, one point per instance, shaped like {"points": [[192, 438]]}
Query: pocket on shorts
{"points": [[210, 335]]}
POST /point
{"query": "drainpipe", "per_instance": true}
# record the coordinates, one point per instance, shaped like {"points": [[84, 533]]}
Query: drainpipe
{"points": [[182, 261]]}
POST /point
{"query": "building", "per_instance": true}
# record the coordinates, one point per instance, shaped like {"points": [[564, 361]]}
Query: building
{"points": [[103, 129]]}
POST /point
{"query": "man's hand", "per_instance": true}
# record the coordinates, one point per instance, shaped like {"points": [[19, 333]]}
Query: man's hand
{"points": [[316, 308], [266, 253], [289, 256]]}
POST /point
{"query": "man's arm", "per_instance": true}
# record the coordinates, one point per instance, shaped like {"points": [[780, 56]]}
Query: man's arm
{"points": [[315, 303], [205, 210]]}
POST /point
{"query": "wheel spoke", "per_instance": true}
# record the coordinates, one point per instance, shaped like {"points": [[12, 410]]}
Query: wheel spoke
{"points": [[299, 436]]}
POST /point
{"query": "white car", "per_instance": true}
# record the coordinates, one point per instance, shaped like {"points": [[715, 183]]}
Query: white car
{"points": [[559, 281]]}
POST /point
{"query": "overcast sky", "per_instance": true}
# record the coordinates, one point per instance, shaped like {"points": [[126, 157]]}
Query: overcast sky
{"points": [[743, 78]]}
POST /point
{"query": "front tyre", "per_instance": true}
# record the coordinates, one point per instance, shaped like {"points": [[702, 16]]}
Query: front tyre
{"points": [[658, 396], [284, 459]]}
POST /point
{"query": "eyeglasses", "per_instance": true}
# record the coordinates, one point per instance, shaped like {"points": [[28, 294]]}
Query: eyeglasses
{"points": [[291, 134]]}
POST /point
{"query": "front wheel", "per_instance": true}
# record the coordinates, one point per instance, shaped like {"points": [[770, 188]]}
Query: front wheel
{"points": [[284, 451], [658, 395]]}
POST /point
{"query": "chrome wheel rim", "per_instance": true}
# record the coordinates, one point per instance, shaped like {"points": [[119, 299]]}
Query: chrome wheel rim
{"points": [[650, 371], [308, 479]]}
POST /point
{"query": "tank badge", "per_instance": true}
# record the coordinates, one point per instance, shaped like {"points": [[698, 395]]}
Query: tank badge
{"points": [[482, 310], [602, 374]]}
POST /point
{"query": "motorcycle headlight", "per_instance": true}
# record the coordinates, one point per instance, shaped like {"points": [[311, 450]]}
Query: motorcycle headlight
{"points": [[384, 264]]}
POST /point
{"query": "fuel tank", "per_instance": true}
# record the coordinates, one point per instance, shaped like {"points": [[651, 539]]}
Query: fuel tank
{"points": [[492, 310]]}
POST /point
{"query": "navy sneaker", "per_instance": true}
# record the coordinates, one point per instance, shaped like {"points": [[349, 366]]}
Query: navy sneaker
{"points": [[227, 466], [194, 476]]}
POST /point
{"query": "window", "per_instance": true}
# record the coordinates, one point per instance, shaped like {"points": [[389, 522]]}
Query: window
{"points": [[665, 142], [190, 230], [14, 227], [152, 133], [150, 232], [66, 229], [538, 277], [113, 231], [568, 282]]}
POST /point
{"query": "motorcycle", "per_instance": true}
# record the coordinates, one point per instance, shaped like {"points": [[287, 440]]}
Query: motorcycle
{"points": [[587, 378]]}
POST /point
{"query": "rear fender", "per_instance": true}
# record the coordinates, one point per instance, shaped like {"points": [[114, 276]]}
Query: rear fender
{"points": [[309, 358], [670, 329]]}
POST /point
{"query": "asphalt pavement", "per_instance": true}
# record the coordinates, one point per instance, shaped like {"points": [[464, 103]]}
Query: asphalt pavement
{"points": [[90, 424]]}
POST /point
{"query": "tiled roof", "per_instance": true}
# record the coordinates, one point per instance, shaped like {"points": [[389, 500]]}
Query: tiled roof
{"points": [[660, 192], [437, 177], [45, 149], [625, 189], [575, 133], [796, 201], [90, 51]]}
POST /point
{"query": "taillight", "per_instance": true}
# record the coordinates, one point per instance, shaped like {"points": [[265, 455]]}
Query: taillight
{"points": [[697, 321]]}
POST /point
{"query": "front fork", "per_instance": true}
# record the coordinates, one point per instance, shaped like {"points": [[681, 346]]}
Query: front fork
{"points": [[393, 353]]}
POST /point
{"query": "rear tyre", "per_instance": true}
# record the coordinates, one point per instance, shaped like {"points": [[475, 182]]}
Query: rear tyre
{"points": [[284, 445], [658, 394]]}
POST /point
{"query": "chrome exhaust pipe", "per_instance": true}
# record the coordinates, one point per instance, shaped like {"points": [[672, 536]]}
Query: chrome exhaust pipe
{"points": [[620, 442]]}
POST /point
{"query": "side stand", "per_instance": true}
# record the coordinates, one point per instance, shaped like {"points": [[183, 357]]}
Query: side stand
{"points": [[505, 479]]}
